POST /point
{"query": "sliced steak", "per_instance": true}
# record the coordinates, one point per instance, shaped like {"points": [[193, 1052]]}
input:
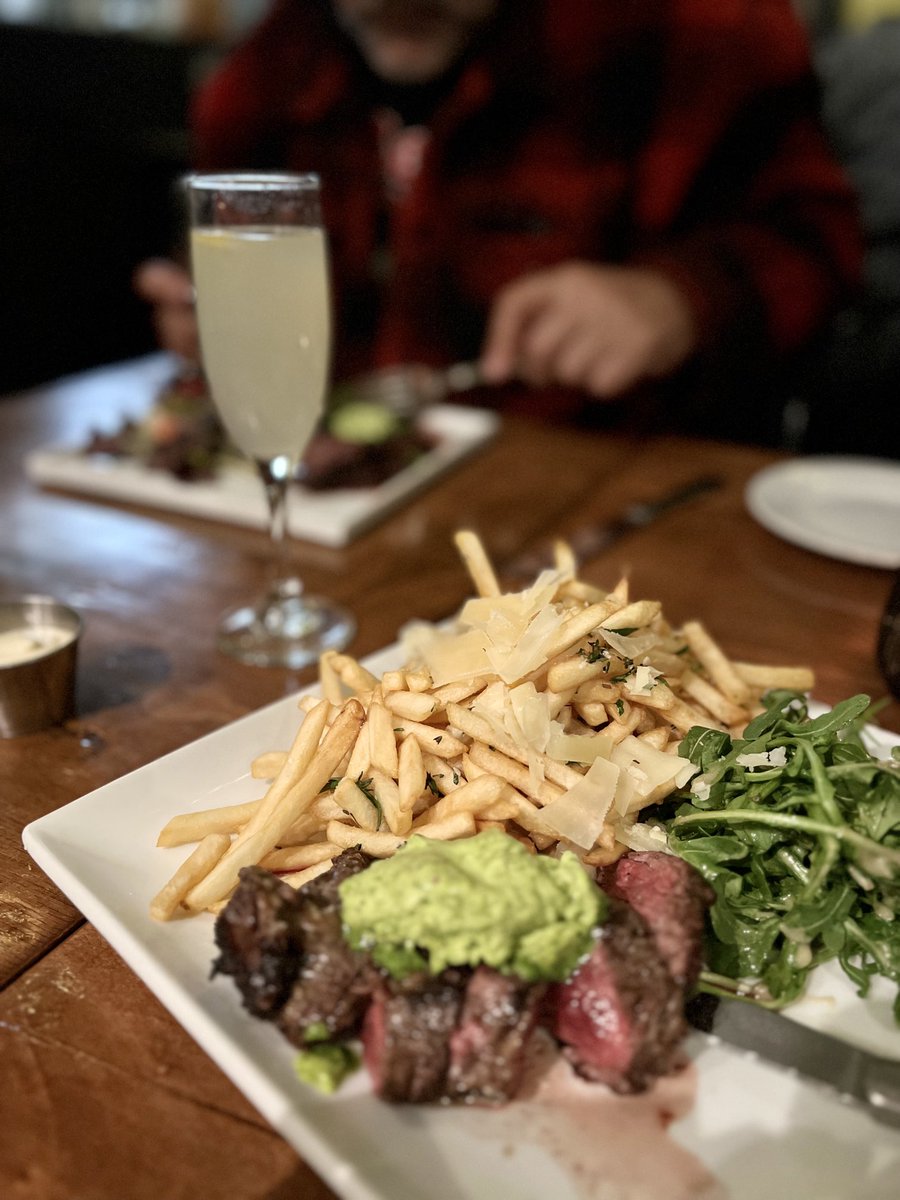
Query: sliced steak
{"points": [[672, 897], [620, 1015], [334, 982], [488, 1046], [284, 948], [256, 937], [406, 1035]]}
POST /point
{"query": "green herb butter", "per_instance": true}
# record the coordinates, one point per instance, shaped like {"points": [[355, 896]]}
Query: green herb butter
{"points": [[484, 899], [325, 1065]]}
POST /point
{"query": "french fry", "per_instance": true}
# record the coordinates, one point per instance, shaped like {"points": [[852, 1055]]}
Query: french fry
{"points": [[387, 793], [193, 826], [713, 659], [195, 867], [250, 849], [581, 623], [708, 696], [382, 740], [473, 797], [393, 681], [379, 845], [577, 589], [411, 777], [574, 672], [298, 858], [457, 825], [658, 737], [443, 773], [360, 756], [326, 808], [301, 831], [296, 879], [297, 760], [435, 740], [477, 563], [415, 706], [796, 679], [352, 673], [632, 616], [329, 679], [480, 731], [418, 681], [564, 559], [268, 765], [513, 772], [350, 797]]}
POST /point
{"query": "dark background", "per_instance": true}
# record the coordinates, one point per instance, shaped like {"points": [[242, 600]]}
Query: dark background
{"points": [[92, 135]]}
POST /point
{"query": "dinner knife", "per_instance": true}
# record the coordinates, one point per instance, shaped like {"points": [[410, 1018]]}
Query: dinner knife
{"points": [[855, 1074], [590, 540]]}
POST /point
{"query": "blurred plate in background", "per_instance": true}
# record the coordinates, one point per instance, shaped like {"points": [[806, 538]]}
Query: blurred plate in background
{"points": [[847, 508]]}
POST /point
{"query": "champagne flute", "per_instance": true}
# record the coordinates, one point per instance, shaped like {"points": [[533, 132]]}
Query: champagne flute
{"points": [[260, 267]]}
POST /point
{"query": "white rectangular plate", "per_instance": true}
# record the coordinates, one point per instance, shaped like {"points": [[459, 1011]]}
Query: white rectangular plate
{"points": [[331, 518], [758, 1130]]}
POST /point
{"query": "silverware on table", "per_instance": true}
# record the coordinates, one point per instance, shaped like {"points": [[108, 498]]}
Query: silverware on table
{"points": [[856, 1075], [590, 540], [406, 390]]}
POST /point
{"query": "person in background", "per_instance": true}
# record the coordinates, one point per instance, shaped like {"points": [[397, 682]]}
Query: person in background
{"points": [[849, 398], [627, 204]]}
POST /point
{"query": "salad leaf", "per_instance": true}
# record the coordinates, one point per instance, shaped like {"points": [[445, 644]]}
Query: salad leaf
{"points": [[796, 827]]}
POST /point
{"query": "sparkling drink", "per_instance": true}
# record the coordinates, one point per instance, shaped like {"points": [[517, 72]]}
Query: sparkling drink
{"points": [[260, 264], [263, 311]]}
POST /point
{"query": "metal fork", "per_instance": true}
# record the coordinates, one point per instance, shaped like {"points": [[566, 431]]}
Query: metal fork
{"points": [[405, 390]]}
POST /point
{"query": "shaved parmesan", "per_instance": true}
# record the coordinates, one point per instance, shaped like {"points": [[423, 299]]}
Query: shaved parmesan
{"points": [[579, 747], [643, 680], [579, 814], [641, 836], [633, 646], [764, 758], [700, 788], [451, 657], [653, 773]]}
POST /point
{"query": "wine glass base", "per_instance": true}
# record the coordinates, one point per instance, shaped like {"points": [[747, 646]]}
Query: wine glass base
{"points": [[290, 631]]}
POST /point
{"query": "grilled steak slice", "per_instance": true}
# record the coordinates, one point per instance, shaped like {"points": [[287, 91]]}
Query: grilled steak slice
{"points": [[256, 937], [487, 1048], [324, 888], [620, 1015], [672, 898], [334, 982], [284, 948], [406, 1035]]}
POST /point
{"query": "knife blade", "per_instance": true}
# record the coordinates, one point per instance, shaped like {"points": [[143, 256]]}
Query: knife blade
{"points": [[590, 540], [856, 1075]]}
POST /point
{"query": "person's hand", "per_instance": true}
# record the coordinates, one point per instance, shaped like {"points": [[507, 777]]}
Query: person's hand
{"points": [[602, 329], [168, 290]]}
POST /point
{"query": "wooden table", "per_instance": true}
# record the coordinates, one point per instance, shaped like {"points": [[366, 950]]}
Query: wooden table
{"points": [[102, 1095]]}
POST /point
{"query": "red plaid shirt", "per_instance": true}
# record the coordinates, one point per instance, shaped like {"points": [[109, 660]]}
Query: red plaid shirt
{"points": [[680, 133]]}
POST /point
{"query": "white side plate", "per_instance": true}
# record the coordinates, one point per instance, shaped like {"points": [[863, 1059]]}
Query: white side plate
{"points": [[847, 508]]}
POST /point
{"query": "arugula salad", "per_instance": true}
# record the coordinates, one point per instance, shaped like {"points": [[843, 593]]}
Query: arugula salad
{"points": [[796, 827]]}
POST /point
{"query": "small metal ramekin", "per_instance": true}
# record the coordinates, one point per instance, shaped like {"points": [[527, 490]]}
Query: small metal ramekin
{"points": [[38, 692]]}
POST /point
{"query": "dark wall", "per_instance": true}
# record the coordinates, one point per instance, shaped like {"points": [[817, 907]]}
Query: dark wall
{"points": [[92, 137]]}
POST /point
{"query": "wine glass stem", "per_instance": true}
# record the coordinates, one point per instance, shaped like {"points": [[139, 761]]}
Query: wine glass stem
{"points": [[276, 475]]}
